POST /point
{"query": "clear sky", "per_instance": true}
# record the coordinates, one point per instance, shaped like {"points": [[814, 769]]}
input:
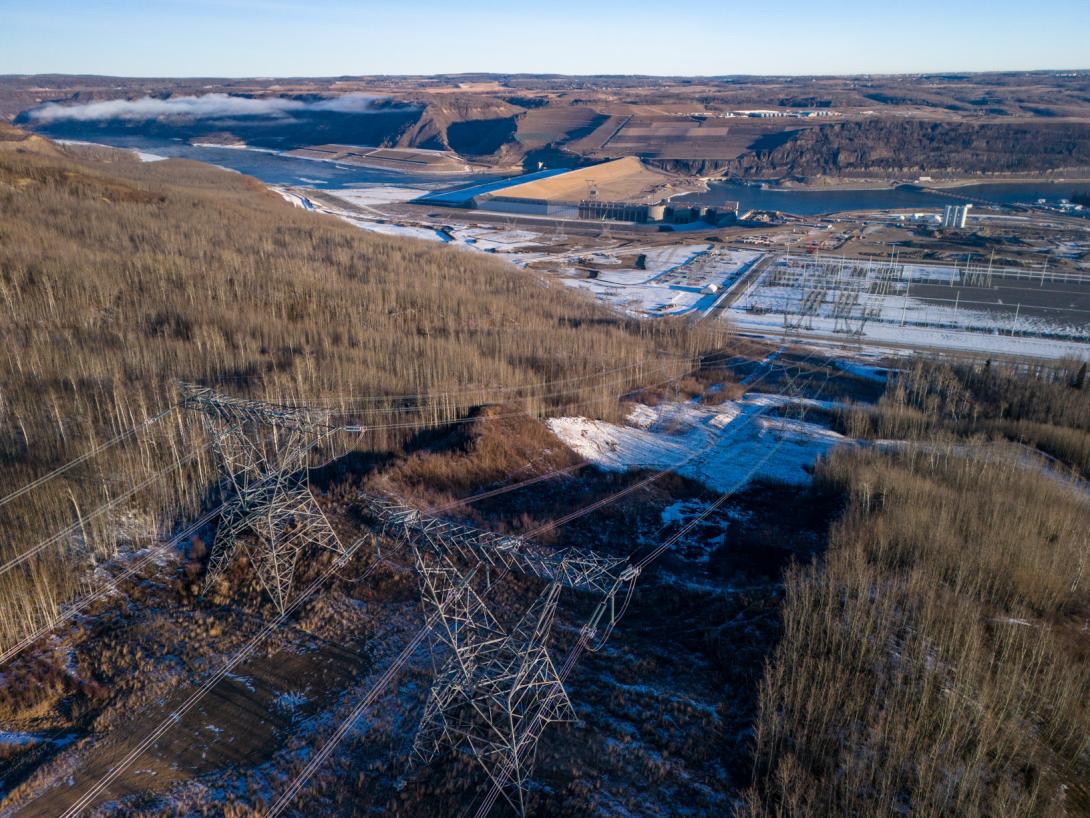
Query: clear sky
{"points": [[333, 37]]}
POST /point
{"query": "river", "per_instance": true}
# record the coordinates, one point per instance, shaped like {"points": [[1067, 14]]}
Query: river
{"points": [[833, 200], [276, 169]]}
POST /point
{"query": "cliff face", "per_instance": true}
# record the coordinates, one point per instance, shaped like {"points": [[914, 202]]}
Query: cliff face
{"points": [[471, 125], [692, 167], [914, 146]]}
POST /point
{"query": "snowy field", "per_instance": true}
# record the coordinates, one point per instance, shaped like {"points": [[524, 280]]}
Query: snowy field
{"points": [[406, 231], [870, 303], [678, 280], [377, 194], [480, 237], [722, 446], [875, 303], [491, 238]]}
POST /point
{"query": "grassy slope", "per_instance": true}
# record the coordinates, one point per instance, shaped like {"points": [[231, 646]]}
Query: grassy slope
{"points": [[937, 663], [117, 277]]}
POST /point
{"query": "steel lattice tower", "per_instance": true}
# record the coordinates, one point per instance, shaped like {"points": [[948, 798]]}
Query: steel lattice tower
{"points": [[262, 450], [496, 690]]}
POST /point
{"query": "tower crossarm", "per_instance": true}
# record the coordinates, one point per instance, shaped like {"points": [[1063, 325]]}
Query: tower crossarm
{"points": [[571, 567], [231, 410]]}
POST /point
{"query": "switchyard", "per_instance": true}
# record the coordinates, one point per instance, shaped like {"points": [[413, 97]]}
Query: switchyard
{"points": [[876, 299]]}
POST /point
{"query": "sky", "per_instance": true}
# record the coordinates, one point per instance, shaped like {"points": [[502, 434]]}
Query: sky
{"points": [[251, 38]]}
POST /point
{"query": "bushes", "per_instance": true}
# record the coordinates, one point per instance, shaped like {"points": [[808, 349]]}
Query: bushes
{"points": [[935, 664], [929, 666], [1047, 408]]}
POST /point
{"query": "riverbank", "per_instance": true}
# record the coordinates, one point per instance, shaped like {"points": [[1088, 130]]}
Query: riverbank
{"points": [[829, 183]]}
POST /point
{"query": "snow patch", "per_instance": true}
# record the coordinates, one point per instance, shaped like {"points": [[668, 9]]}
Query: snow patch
{"points": [[722, 446]]}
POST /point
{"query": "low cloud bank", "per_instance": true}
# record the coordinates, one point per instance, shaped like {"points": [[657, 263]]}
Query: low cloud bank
{"points": [[207, 106]]}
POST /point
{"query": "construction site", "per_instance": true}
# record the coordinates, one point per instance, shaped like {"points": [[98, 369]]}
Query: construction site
{"points": [[511, 468]]}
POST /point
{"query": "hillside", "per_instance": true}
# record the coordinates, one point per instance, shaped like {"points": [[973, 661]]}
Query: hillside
{"points": [[889, 126], [117, 279], [882, 147]]}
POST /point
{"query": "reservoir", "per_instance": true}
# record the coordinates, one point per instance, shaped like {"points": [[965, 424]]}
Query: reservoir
{"points": [[273, 168], [276, 169], [833, 200]]}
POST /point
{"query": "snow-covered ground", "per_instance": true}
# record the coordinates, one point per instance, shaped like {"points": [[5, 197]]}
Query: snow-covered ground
{"points": [[874, 303], [500, 240], [480, 237], [377, 194], [722, 446], [868, 303], [691, 279], [901, 309], [297, 199], [143, 156], [771, 325], [403, 230]]}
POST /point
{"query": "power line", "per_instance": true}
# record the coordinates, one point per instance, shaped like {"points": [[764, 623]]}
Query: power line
{"points": [[247, 649], [60, 535], [295, 787], [111, 584], [243, 653], [675, 357], [71, 464], [586, 633], [118, 769]]}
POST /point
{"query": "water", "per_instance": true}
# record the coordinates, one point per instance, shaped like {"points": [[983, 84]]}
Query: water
{"points": [[817, 202], [276, 169]]}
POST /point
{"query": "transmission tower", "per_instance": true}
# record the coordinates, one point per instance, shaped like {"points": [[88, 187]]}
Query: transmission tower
{"points": [[262, 451], [496, 690], [571, 567], [494, 685]]}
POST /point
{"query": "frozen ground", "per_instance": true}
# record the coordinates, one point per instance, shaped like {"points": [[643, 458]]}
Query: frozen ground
{"points": [[490, 238], [900, 304], [874, 335], [693, 285], [722, 446], [403, 230], [902, 310], [867, 304], [377, 194]]}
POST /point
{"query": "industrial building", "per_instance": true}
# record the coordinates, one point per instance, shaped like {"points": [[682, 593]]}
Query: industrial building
{"points": [[593, 209], [522, 206], [954, 217], [620, 191]]}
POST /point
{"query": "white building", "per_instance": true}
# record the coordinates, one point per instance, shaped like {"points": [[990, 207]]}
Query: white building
{"points": [[954, 217]]}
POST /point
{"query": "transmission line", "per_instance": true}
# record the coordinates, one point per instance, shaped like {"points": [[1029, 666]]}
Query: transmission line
{"points": [[108, 506], [295, 787], [111, 584], [337, 564], [71, 464], [587, 632]]}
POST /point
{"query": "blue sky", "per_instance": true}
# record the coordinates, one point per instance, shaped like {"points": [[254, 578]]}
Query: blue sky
{"points": [[331, 37]]}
